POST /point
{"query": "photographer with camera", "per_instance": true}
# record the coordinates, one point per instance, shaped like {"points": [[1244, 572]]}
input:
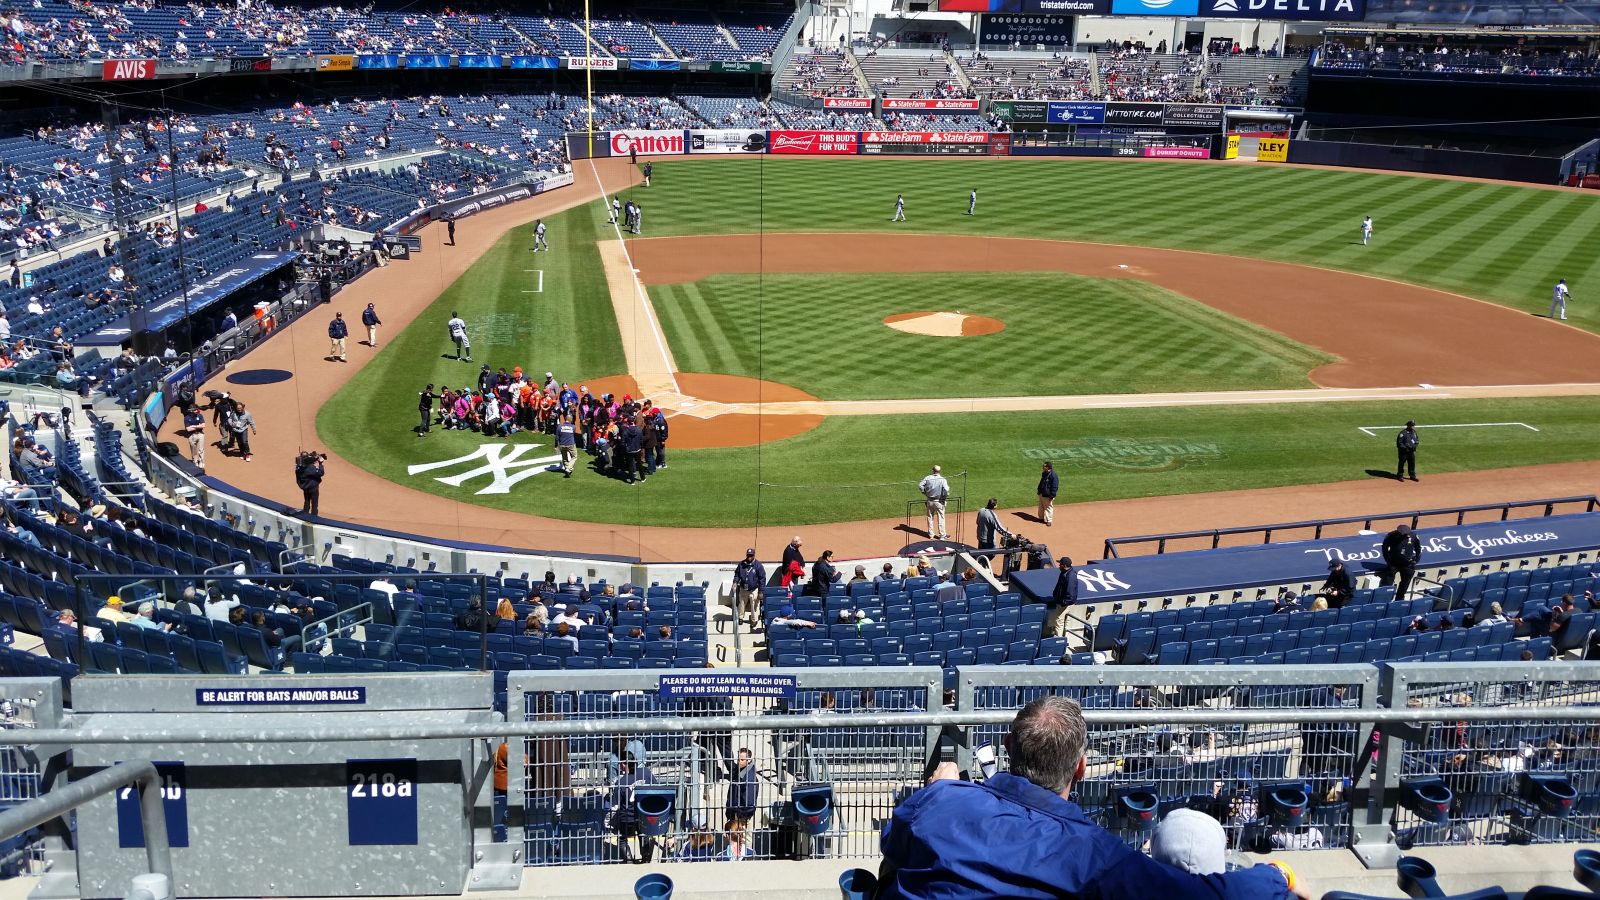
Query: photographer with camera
{"points": [[308, 472]]}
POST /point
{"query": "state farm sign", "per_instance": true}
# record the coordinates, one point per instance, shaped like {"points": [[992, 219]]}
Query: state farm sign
{"points": [[930, 105], [128, 69], [647, 143], [846, 102], [925, 137], [828, 143]]}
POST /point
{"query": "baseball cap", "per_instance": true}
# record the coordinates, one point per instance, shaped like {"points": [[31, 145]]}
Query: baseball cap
{"points": [[787, 611], [749, 551], [113, 600], [1192, 841]]}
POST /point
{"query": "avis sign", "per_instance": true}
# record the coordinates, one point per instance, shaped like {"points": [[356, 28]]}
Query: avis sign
{"points": [[128, 69], [647, 143]]}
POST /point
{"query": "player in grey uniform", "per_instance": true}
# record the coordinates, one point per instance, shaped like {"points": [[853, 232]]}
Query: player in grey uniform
{"points": [[538, 236], [458, 333], [972, 202], [638, 219], [899, 208]]}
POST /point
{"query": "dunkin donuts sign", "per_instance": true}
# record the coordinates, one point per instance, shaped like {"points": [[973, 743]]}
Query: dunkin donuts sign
{"points": [[647, 143]]}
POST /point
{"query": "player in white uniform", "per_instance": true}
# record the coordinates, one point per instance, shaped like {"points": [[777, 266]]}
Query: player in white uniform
{"points": [[1558, 300], [616, 210], [972, 202], [458, 333], [638, 219], [538, 236], [1366, 230], [899, 208]]}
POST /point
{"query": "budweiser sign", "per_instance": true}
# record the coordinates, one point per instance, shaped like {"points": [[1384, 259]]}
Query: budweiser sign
{"points": [[926, 105], [829, 143], [647, 143], [847, 103], [128, 69], [925, 137]]}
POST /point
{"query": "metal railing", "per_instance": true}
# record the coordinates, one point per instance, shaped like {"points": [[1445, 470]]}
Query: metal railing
{"points": [[133, 775], [1295, 531]]}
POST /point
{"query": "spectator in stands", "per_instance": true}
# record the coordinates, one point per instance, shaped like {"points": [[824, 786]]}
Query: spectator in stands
{"points": [[564, 633], [472, 618], [112, 610], [186, 605], [146, 618], [823, 574], [218, 606], [738, 842], [1192, 841], [1017, 834], [1496, 615], [19, 493], [68, 621], [1338, 588], [741, 806], [786, 617], [631, 772], [1561, 617], [860, 575], [886, 575], [749, 576]]}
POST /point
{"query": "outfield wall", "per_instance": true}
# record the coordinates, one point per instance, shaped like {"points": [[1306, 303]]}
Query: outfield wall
{"points": [[1433, 160]]}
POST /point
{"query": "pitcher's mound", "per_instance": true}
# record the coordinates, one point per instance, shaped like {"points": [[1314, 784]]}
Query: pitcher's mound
{"points": [[943, 324]]}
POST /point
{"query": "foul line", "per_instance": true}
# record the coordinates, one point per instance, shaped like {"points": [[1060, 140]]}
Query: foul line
{"points": [[540, 288], [638, 286], [1369, 429]]}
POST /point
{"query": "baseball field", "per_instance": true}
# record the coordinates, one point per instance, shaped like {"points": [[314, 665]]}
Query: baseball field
{"points": [[1153, 328]]}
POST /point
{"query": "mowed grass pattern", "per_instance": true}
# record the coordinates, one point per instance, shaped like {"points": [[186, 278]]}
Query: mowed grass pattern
{"points": [[1497, 242], [1063, 334]]}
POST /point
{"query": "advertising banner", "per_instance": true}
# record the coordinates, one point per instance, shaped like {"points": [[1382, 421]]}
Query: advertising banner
{"points": [[647, 143], [427, 61], [128, 69], [1134, 113], [1231, 151], [930, 105], [249, 64], [819, 143], [378, 61], [1000, 144], [933, 142], [1273, 150], [535, 62], [1075, 112], [597, 63], [654, 65], [1051, 7], [1177, 152], [727, 140], [478, 61], [1301, 10], [1192, 115], [1020, 110], [338, 62], [1004, 28], [732, 65], [1155, 7], [846, 102]]}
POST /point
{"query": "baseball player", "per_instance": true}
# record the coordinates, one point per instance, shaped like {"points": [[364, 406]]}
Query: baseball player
{"points": [[1558, 300], [538, 236], [972, 202], [648, 169], [616, 210], [899, 208], [458, 334], [638, 219], [1366, 230]]}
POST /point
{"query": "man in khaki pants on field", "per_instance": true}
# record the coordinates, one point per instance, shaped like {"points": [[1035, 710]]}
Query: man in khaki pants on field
{"points": [[935, 490], [1049, 486], [194, 428]]}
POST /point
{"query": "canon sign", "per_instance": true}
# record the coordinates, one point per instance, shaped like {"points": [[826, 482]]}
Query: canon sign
{"points": [[647, 143]]}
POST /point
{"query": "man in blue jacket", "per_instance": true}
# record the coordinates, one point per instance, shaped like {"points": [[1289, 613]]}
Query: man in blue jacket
{"points": [[337, 332], [1016, 834]]}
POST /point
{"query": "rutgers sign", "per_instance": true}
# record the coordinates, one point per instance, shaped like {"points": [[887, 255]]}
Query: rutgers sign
{"points": [[647, 143], [128, 69]]}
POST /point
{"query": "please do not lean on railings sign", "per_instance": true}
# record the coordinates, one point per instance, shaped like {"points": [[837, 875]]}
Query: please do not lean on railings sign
{"points": [[727, 685]]}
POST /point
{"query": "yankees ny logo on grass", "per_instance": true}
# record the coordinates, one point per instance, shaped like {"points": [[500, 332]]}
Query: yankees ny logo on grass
{"points": [[498, 461]]}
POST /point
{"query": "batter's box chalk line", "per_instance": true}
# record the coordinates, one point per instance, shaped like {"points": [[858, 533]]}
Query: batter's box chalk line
{"points": [[1370, 430]]}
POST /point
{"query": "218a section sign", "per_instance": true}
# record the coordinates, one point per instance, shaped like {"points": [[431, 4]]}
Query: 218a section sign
{"points": [[381, 800]]}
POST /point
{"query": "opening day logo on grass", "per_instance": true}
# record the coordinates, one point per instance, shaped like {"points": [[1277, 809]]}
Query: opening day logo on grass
{"points": [[1129, 455]]}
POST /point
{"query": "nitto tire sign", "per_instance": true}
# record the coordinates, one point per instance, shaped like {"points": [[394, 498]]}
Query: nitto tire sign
{"points": [[647, 143], [1134, 113]]}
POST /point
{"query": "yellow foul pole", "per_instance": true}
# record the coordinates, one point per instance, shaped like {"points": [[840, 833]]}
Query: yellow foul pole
{"points": [[588, 76]]}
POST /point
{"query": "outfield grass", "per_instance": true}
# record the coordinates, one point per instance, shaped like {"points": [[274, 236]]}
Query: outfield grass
{"points": [[1497, 242], [1064, 334], [847, 468]]}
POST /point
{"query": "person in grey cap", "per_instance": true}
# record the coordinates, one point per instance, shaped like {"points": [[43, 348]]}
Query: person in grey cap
{"points": [[1190, 840], [748, 578]]}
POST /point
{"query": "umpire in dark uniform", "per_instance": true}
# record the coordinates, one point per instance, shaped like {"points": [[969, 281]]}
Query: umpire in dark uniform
{"points": [[1405, 443], [1401, 552]]}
